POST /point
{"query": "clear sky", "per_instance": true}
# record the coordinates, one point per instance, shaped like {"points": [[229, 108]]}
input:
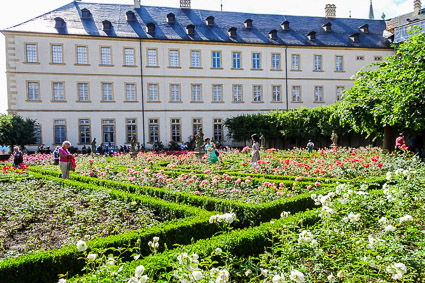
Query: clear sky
{"points": [[18, 11]]}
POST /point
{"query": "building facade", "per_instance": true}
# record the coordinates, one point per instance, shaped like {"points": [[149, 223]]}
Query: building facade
{"points": [[110, 71]]}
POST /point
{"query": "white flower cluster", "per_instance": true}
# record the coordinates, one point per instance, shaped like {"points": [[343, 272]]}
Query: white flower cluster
{"points": [[326, 212], [391, 193], [154, 244], [397, 270], [372, 242], [81, 246], [354, 218], [138, 275], [296, 276], [397, 173], [189, 262], [223, 218], [406, 218], [306, 237], [220, 275], [323, 200]]}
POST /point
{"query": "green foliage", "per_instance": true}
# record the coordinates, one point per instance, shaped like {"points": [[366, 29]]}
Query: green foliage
{"points": [[390, 94], [15, 130]]}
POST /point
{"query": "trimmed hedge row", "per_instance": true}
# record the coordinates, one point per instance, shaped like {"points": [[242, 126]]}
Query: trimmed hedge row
{"points": [[240, 243], [45, 266], [249, 214]]}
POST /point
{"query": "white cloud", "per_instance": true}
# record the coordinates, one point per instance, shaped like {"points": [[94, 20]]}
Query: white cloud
{"points": [[15, 12]]}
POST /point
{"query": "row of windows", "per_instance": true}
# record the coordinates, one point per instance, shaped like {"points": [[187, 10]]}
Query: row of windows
{"points": [[174, 58], [109, 130], [58, 93]]}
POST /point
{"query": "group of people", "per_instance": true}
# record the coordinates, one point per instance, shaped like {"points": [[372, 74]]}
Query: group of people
{"points": [[413, 144]]}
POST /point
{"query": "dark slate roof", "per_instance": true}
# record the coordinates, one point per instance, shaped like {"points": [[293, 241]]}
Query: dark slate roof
{"points": [[300, 26], [405, 19], [401, 33]]}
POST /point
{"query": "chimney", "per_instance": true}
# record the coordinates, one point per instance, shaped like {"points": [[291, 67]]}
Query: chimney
{"points": [[330, 10], [417, 7], [136, 4], [184, 4]]}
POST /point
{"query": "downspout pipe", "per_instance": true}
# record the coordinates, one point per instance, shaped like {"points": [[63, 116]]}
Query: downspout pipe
{"points": [[143, 96]]}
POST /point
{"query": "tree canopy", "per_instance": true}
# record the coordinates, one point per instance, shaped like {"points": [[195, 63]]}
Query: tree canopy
{"points": [[392, 93], [15, 130]]}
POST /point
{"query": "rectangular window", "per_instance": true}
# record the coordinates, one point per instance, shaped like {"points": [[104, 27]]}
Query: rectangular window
{"points": [[217, 93], [339, 60], [33, 91], [237, 93], [108, 129], [153, 92], [256, 61], [196, 125], [83, 92], [295, 63], [196, 93], [174, 58], [152, 58], [257, 93], [37, 134], [216, 60], [131, 129], [195, 59], [57, 55], [361, 58], [378, 58], [175, 93], [106, 56], [107, 91], [276, 94], [82, 55], [60, 131], [236, 60], [31, 53], [129, 57], [84, 125], [130, 92], [275, 61], [339, 90], [58, 92], [318, 94], [175, 130], [218, 130], [153, 130], [296, 93], [317, 62]]}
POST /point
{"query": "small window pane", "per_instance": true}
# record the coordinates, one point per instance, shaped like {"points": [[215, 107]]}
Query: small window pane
{"points": [[129, 56], [237, 93], [83, 92], [106, 56], [174, 58], [58, 92], [236, 60], [31, 53], [257, 93], [196, 93], [256, 61], [296, 94], [276, 62], [57, 57], [152, 58], [33, 94], [295, 62], [153, 92], [196, 60], [175, 93], [130, 92], [318, 94], [107, 92], [217, 95], [81, 55], [216, 60], [276, 94]]}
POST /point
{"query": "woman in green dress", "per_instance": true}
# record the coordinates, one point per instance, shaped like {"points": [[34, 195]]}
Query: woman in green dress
{"points": [[211, 151]]}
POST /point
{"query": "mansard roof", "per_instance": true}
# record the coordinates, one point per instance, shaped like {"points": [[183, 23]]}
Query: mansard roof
{"points": [[75, 24]]}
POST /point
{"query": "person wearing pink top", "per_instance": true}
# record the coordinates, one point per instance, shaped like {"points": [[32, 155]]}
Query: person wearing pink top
{"points": [[400, 142], [64, 159]]}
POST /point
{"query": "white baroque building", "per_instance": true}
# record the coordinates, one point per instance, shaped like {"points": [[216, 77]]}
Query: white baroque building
{"points": [[111, 71]]}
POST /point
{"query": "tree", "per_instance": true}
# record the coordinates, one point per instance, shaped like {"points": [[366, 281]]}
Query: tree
{"points": [[15, 130], [390, 96]]}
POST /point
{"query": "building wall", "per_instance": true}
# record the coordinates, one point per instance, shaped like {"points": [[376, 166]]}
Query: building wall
{"points": [[46, 111]]}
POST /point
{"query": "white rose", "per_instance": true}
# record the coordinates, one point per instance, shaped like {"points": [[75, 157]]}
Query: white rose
{"points": [[144, 279], [155, 239], [197, 275], [81, 246], [278, 279], [389, 228], [62, 280], [218, 251], [285, 214], [296, 276], [91, 257], [139, 271]]}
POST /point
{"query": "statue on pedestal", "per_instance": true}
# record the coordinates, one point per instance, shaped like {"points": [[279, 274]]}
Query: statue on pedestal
{"points": [[262, 141], [93, 146], [334, 139], [133, 143], [199, 141]]}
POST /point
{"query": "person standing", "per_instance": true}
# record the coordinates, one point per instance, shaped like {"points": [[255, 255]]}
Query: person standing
{"points": [[18, 157], [255, 150], [310, 146], [210, 149], [400, 142], [65, 159], [56, 155]]}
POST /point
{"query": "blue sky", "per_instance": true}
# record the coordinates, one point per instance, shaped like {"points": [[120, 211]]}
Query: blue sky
{"points": [[18, 11]]}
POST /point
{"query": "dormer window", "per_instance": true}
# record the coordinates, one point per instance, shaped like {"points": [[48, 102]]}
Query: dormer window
{"points": [[285, 25], [107, 26], [85, 14], [355, 37], [171, 18], [311, 35], [131, 17], [273, 34], [59, 23], [327, 27], [364, 28], [150, 28], [232, 32], [190, 30], [210, 21], [248, 24]]}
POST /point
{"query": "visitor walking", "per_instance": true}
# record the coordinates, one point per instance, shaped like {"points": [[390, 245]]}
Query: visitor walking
{"points": [[310, 146], [255, 150], [211, 151], [56, 155], [65, 159], [18, 157]]}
